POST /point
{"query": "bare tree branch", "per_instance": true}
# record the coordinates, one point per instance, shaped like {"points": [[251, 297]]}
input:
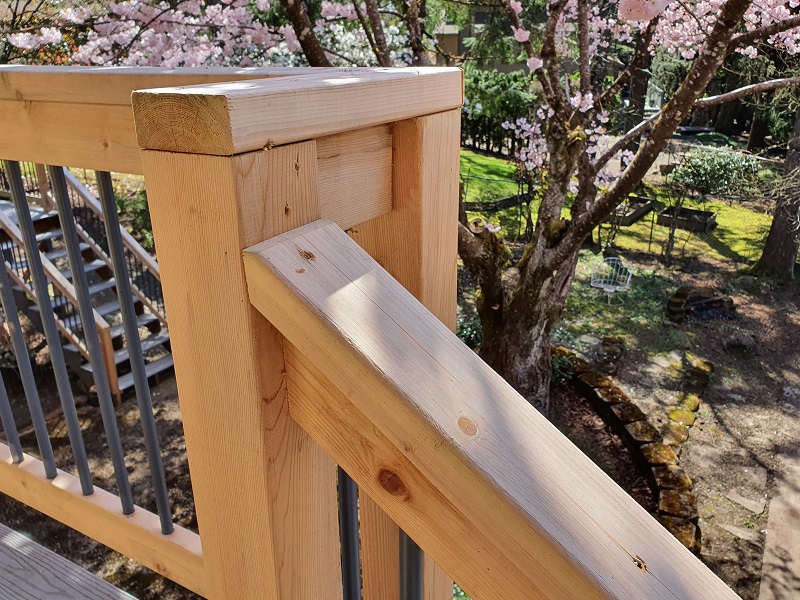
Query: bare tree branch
{"points": [[748, 90], [639, 57], [624, 141], [584, 60]]}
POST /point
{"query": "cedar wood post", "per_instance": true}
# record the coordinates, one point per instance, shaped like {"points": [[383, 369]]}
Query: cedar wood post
{"points": [[265, 492]]}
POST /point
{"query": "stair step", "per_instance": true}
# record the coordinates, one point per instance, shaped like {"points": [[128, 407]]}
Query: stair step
{"points": [[96, 288], [88, 267], [62, 252], [40, 237], [147, 344], [118, 330], [102, 310], [153, 368]]}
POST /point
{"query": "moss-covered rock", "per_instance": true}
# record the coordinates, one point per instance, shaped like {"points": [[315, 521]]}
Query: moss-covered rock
{"points": [[681, 416], [679, 503], [627, 412], [659, 454], [671, 477], [642, 432]]}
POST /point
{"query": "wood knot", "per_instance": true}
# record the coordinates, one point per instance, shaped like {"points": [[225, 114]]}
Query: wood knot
{"points": [[307, 255], [391, 482], [639, 562], [467, 425]]}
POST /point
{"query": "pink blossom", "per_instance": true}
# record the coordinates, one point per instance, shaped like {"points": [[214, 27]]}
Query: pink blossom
{"points": [[534, 62], [516, 6], [520, 34]]}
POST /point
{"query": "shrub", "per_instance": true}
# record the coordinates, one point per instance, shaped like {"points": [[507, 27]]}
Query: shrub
{"points": [[714, 172]]}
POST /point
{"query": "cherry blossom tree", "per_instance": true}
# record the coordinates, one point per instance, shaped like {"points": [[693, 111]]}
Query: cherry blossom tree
{"points": [[215, 32], [568, 147]]}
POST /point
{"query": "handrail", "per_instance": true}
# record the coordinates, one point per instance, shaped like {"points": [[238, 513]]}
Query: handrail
{"points": [[498, 497]]}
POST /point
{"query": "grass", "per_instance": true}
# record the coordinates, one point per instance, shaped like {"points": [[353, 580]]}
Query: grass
{"points": [[474, 166]]}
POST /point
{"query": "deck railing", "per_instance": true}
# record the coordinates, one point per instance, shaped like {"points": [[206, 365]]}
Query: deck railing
{"points": [[305, 228]]}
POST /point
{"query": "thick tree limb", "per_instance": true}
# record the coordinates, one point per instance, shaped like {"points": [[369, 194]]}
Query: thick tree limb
{"points": [[623, 142], [382, 49], [762, 33], [304, 30], [748, 90]]}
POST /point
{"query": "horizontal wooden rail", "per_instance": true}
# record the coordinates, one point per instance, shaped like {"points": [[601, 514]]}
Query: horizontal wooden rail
{"points": [[228, 119], [488, 487], [82, 116], [177, 556]]}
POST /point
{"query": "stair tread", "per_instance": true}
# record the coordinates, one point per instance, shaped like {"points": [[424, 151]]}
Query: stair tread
{"points": [[88, 267], [62, 252], [96, 288], [148, 343], [153, 368], [118, 330]]}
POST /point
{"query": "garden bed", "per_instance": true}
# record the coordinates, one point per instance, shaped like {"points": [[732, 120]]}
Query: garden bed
{"points": [[631, 212], [696, 221]]}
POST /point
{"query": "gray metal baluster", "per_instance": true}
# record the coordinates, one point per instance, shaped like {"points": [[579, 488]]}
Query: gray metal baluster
{"points": [[9, 427], [412, 567], [141, 385], [26, 374], [51, 334], [58, 185], [348, 531]]}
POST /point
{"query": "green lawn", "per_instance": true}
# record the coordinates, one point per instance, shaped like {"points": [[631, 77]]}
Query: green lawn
{"points": [[739, 235], [477, 170]]}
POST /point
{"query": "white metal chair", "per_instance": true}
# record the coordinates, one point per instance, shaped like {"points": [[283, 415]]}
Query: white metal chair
{"points": [[611, 276]]}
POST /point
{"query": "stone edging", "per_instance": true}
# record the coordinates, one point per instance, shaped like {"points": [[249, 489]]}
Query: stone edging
{"points": [[676, 501]]}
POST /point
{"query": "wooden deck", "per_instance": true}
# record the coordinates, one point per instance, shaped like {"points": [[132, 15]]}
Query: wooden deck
{"points": [[30, 572]]}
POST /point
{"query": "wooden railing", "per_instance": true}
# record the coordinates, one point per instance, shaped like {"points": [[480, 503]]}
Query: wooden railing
{"points": [[305, 229]]}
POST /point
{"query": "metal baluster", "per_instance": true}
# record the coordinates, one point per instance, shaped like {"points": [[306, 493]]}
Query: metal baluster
{"points": [[412, 567], [134, 344], [26, 374], [40, 285], [348, 530], [9, 427], [59, 187]]}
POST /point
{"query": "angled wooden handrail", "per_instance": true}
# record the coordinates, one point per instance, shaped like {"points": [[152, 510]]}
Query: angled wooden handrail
{"points": [[488, 487]]}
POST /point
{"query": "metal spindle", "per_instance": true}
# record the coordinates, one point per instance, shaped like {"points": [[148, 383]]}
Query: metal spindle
{"points": [[9, 427], [412, 567], [40, 285], [26, 374], [143, 397], [348, 530], [58, 185]]}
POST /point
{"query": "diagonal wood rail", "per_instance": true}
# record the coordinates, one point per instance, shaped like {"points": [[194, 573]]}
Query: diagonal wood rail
{"points": [[488, 487]]}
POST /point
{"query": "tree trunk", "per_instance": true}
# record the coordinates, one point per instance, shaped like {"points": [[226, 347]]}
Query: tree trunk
{"points": [[758, 131], [780, 249], [637, 99]]}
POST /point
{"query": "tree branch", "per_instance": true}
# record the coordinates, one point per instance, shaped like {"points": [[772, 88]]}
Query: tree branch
{"points": [[584, 60], [748, 90], [304, 30], [377, 31], [745, 39], [624, 141], [639, 58]]}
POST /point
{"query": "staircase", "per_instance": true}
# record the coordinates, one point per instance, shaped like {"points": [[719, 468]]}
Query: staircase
{"points": [[97, 264]]}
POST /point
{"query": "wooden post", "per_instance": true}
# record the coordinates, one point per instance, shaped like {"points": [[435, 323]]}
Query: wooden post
{"points": [[265, 492], [227, 167], [416, 242], [44, 186]]}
